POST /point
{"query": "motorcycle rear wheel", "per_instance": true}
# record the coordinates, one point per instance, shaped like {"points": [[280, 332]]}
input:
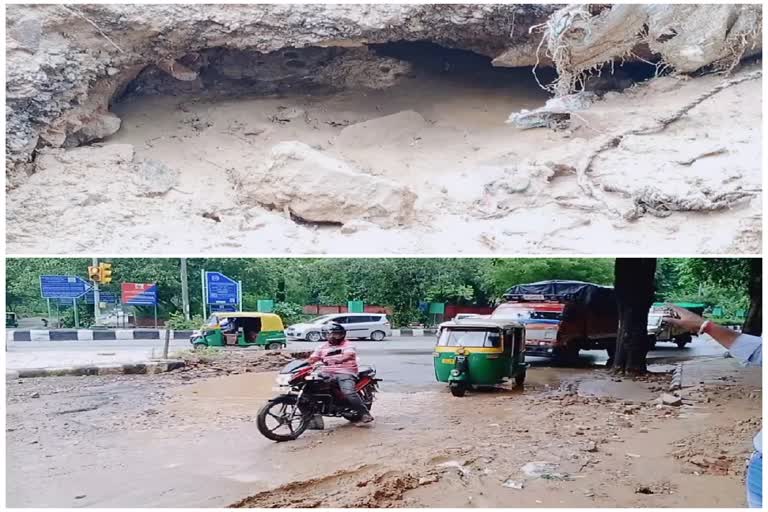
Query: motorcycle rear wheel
{"points": [[287, 414]]}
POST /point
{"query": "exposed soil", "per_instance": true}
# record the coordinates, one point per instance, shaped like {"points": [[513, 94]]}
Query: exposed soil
{"points": [[492, 187], [595, 442]]}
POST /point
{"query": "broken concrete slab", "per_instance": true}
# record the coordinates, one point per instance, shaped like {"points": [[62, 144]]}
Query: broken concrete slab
{"points": [[315, 187]]}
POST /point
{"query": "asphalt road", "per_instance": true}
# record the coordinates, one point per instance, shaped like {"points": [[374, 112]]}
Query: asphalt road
{"points": [[404, 363]]}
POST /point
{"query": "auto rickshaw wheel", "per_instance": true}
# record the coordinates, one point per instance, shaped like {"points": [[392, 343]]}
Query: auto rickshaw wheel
{"points": [[458, 389], [274, 346], [199, 346], [520, 379]]}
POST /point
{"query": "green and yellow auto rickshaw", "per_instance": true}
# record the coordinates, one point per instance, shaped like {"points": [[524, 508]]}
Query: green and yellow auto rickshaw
{"points": [[475, 353], [238, 329], [11, 320]]}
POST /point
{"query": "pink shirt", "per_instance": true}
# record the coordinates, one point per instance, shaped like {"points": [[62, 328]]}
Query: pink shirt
{"points": [[343, 363]]}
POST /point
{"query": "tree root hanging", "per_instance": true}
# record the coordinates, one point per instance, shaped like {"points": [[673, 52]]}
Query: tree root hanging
{"points": [[610, 141], [661, 204]]}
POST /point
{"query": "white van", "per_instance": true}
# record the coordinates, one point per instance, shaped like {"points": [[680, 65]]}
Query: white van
{"points": [[373, 326]]}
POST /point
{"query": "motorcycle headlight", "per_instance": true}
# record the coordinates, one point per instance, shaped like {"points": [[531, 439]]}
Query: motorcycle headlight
{"points": [[284, 379]]}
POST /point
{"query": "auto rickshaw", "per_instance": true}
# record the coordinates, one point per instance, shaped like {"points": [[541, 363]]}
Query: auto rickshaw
{"points": [[478, 352], [11, 320], [239, 329]]}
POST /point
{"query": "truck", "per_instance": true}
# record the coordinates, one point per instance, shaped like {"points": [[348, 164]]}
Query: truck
{"points": [[658, 330], [562, 317]]}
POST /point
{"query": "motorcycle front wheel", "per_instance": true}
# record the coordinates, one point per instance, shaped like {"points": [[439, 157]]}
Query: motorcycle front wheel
{"points": [[281, 420]]}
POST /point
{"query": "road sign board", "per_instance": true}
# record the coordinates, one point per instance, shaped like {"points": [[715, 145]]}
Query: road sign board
{"points": [[220, 289], [63, 287], [222, 308], [106, 297], [139, 294]]}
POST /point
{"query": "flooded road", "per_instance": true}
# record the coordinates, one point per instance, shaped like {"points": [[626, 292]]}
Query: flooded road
{"points": [[176, 440]]}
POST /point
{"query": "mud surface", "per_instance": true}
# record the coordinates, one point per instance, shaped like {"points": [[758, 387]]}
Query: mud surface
{"points": [[597, 441]]}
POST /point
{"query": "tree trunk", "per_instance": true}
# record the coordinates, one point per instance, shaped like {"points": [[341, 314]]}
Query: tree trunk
{"points": [[634, 282], [753, 324]]}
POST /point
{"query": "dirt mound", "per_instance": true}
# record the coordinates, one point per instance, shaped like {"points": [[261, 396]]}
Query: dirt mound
{"points": [[363, 487], [720, 450]]}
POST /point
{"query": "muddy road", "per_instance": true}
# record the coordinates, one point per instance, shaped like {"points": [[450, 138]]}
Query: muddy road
{"points": [[188, 439]]}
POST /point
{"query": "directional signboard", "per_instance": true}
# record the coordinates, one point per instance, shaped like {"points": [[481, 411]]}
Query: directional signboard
{"points": [[220, 289], [63, 287], [222, 308], [139, 294], [105, 297]]}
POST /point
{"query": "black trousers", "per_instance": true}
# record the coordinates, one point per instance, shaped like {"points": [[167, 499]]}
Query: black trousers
{"points": [[347, 386]]}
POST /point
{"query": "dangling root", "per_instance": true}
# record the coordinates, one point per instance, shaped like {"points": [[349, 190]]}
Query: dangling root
{"points": [[661, 204], [610, 141]]}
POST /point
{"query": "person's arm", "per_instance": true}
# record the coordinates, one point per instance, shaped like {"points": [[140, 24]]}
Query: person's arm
{"points": [[315, 356], [745, 347], [347, 353]]}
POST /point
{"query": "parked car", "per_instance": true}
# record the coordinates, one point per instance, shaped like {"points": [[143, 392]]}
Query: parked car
{"points": [[373, 326], [658, 330]]}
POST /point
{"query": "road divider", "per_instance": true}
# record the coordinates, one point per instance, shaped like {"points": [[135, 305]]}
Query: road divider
{"points": [[147, 368], [92, 334], [139, 334]]}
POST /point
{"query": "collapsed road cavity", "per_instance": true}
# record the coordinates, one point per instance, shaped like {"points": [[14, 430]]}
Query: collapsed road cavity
{"points": [[308, 143]]}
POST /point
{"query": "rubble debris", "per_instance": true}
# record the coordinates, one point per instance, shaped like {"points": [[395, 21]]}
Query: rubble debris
{"points": [[316, 187], [555, 114], [513, 484], [671, 400]]}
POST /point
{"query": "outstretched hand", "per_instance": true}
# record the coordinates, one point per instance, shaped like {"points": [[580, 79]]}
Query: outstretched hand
{"points": [[684, 319]]}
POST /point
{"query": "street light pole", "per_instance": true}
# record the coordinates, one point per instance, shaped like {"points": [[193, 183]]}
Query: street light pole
{"points": [[95, 296], [184, 289]]}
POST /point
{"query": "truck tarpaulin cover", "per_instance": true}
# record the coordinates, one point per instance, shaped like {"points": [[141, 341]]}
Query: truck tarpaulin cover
{"points": [[591, 311], [566, 291]]}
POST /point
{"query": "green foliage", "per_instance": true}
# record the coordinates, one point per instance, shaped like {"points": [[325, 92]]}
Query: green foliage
{"points": [[290, 312], [177, 321], [398, 283], [712, 281], [509, 272]]}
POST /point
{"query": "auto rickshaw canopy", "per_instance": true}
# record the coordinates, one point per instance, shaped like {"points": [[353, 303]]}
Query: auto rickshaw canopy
{"points": [[269, 321], [480, 323]]}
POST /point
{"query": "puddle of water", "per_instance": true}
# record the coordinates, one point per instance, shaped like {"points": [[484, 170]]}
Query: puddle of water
{"points": [[624, 390], [234, 394]]}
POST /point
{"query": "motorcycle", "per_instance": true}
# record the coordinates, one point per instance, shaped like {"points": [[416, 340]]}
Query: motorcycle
{"points": [[306, 394]]}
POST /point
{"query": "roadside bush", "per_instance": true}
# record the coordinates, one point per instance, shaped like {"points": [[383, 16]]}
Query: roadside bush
{"points": [[290, 312], [203, 355], [177, 322]]}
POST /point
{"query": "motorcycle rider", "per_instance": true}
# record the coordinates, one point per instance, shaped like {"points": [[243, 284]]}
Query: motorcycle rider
{"points": [[340, 360]]}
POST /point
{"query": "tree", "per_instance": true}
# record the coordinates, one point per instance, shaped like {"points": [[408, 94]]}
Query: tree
{"points": [[754, 321], [634, 282]]}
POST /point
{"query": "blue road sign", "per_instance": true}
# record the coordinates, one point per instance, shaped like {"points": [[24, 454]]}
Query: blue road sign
{"points": [[220, 289], [222, 308], [106, 297], [63, 287]]}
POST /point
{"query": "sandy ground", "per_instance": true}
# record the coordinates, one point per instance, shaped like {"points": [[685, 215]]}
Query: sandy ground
{"points": [[151, 441], [454, 159]]}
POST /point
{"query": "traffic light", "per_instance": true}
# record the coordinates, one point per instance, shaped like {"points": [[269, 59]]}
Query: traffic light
{"points": [[105, 273], [94, 274]]}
